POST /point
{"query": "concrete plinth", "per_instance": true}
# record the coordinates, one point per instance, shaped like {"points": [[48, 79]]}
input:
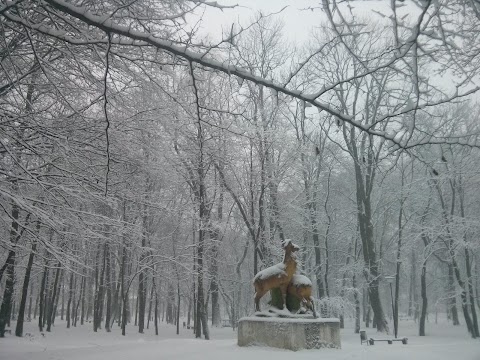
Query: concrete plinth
{"points": [[289, 333]]}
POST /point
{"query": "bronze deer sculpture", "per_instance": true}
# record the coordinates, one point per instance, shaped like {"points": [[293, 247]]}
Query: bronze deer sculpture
{"points": [[301, 287], [277, 276]]}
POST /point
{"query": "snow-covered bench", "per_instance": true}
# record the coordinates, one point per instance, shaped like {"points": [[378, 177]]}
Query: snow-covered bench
{"points": [[371, 341]]}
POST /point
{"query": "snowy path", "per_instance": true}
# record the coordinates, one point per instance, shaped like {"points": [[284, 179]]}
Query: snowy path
{"points": [[445, 343]]}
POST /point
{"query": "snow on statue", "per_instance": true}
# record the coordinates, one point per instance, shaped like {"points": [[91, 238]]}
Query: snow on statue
{"points": [[289, 290]]}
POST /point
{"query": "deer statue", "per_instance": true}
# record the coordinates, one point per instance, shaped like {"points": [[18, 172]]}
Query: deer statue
{"points": [[301, 287], [277, 276]]}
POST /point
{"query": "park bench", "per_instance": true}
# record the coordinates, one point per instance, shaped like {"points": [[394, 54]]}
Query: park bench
{"points": [[371, 341]]}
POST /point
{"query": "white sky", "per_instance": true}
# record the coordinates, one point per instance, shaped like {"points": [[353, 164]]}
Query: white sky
{"points": [[298, 23], [298, 20]]}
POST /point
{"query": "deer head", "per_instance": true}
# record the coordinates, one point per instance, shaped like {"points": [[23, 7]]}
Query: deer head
{"points": [[289, 246]]}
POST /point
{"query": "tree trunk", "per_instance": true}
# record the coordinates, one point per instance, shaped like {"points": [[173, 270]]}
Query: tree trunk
{"points": [[26, 282], [357, 304], [142, 288], [344, 282], [136, 311], [150, 301], [109, 289], [170, 303], [164, 311], [365, 167], [469, 285], [216, 319], [117, 303], [318, 254], [413, 297], [468, 268], [140, 307], [80, 300], [5, 308], [124, 290], [83, 296], [46, 305], [452, 303], [327, 233], [189, 311], [124, 313], [371, 272], [96, 291], [51, 308], [364, 306], [13, 309], [463, 296], [423, 284], [178, 307], [100, 293], [89, 295], [69, 301], [30, 303], [156, 313], [397, 271], [194, 248], [72, 306], [201, 197], [42, 296], [9, 266], [62, 311], [57, 297], [200, 312], [200, 320]]}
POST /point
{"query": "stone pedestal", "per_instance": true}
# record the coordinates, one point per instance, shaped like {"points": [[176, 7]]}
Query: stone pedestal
{"points": [[289, 333]]}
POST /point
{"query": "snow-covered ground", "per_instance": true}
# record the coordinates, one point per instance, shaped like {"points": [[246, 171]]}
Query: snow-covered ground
{"points": [[444, 342]]}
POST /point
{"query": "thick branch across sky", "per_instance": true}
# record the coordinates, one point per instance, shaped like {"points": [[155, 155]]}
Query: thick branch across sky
{"points": [[139, 38]]}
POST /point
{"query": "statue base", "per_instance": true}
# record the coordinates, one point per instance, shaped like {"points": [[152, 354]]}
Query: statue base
{"points": [[289, 332]]}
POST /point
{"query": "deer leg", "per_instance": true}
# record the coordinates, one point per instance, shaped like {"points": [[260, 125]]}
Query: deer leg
{"points": [[303, 304], [283, 289], [312, 307], [258, 296]]}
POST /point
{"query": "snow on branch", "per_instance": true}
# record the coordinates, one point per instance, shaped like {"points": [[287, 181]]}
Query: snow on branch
{"points": [[215, 4], [129, 36], [109, 26]]}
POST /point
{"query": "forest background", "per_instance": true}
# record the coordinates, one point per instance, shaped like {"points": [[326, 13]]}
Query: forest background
{"points": [[149, 171]]}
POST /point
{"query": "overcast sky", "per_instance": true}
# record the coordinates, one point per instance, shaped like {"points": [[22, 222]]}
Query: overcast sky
{"points": [[298, 20]]}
